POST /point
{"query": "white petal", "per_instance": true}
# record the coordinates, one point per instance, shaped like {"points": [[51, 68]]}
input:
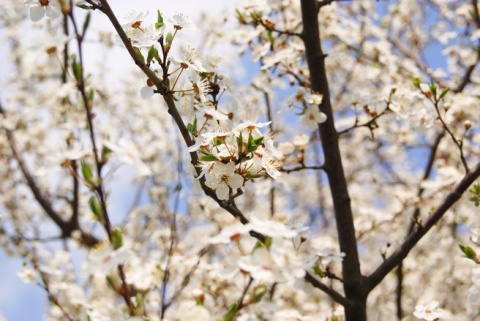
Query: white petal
{"points": [[222, 192], [52, 11], [321, 118], [235, 181], [37, 13], [146, 92]]}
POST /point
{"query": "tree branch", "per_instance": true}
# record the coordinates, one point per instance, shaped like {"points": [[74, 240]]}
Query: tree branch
{"points": [[34, 188], [353, 279], [334, 295], [401, 253]]}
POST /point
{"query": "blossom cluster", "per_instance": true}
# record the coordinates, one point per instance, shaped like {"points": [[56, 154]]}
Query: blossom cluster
{"points": [[93, 165]]}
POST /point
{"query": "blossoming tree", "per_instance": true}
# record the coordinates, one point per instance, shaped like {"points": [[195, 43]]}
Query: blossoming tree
{"points": [[337, 183]]}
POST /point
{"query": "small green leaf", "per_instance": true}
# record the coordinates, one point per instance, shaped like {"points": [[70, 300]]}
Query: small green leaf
{"points": [[139, 300], [152, 53], [433, 89], [168, 41], [87, 173], [253, 144], [83, 6], [416, 82], [106, 152], [231, 312], [271, 37], [318, 270], [91, 95], [468, 252], [76, 69], [258, 141], [110, 282], [117, 238], [444, 92], [86, 23], [96, 208], [139, 54], [240, 16], [259, 292], [218, 141], [159, 22], [192, 127], [268, 241], [475, 194], [208, 158], [253, 176], [166, 82], [240, 143]]}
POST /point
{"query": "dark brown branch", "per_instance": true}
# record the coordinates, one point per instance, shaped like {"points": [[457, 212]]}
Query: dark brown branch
{"points": [[401, 253], [354, 288], [334, 295], [301, 168], [240, 302], [369, 124]]}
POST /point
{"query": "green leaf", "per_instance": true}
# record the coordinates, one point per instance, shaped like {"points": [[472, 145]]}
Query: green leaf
{"points": [[91, 95], [271, 37], [76, 69], [416, 82], [444, 92], [475, 194], [152, 53], [231, 312], [168, 41], [117, 238], [106, 152], [139, 54], [192, 127], [208, 158], [318, 270], [240, 143], [253, 144], [217, 141], [83, 6], [110, 282], [86, 23], [166, 82], [252, 175], [259, 292], [240, 16], [95, 207], [159, 22], [433, 89], [468, 252], [87, 174], [139, 300]]}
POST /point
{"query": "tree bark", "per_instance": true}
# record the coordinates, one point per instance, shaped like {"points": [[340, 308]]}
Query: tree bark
{"points": [[354, 282]]}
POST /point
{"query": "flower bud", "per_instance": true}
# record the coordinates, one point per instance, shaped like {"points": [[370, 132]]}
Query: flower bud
{"points": [[467, 124]]}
